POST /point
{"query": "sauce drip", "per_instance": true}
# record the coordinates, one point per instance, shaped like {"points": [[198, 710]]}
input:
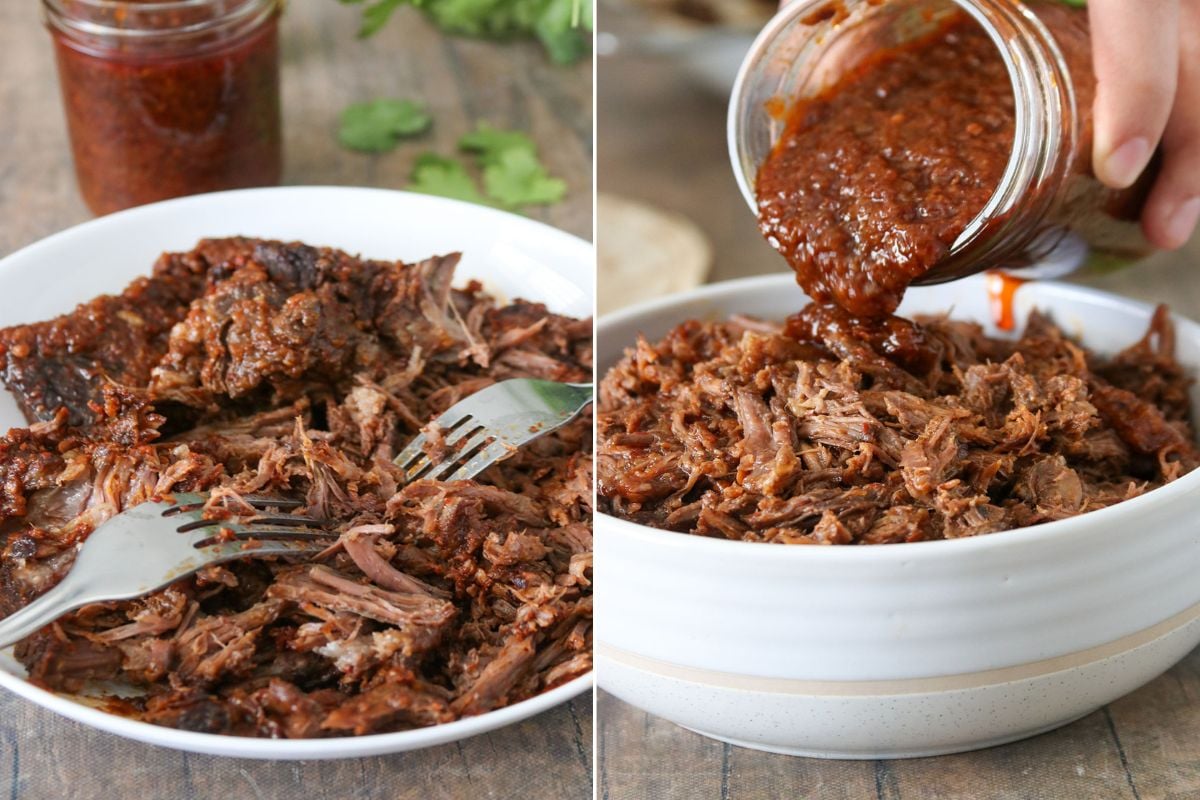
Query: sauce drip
{"points": [[1002, 294]]}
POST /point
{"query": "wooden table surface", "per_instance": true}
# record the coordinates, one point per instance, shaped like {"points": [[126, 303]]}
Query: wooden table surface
{"points": [[662, 140], [43, 756]]}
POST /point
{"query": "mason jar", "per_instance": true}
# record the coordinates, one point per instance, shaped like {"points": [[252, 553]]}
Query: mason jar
{"points": [[1048, 211], [170, 98]]}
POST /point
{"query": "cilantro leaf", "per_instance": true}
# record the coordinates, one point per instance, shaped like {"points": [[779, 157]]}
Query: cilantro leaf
{"points": [[445, 177], [374, 127], [560, 32], [517, 178], [376, 15], [512, 173], [513, 176], [473, 17], [489, 143], [562, 26]]}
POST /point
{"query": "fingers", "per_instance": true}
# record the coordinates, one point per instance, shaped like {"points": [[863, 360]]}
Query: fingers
{"points": [[1173, 206], [1135, 50]]}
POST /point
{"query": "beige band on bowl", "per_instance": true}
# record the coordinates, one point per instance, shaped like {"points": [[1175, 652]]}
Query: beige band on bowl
{"points": [[945, 683]]}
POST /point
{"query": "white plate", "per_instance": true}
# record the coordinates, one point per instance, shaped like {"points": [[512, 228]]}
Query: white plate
{"points": [[513, 257]]}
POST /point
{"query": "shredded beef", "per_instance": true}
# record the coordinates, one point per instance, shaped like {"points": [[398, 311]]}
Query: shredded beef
{"points": [[832, 430], [249, 366], [63, 363]]}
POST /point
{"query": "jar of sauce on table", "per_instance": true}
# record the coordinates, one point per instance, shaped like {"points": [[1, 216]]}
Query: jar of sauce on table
{"points": [[919, 141], [168, 98]]}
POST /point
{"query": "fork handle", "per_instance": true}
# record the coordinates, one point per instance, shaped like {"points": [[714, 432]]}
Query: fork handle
{"points": [[66, 596]]}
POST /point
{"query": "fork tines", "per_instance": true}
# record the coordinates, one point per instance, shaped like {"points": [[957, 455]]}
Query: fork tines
{"points": [[464, 439], [194, 502], [242, 528]]}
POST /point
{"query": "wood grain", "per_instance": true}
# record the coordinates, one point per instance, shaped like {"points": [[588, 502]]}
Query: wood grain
{"points": [[1145, 746], [662, 140], [45, 757]]}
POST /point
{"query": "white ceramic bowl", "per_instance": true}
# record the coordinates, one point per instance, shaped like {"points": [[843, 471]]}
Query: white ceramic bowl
{"points": [[908, 649], [512, 256]]}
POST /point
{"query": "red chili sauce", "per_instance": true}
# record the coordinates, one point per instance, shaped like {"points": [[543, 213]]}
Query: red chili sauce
{"points": [[1002, 296], [895, 338], [149, 126], [873, 180]]}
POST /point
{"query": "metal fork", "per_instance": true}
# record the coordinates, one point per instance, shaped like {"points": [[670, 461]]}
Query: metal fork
{"points": [[157, 543], [491, 424]]}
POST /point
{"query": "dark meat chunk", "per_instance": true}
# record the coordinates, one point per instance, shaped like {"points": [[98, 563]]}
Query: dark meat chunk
{"points": [[1054, 489], [67, 664], [383, 706], [423, 315], [285, 710], [29, 462], [1140, 424], [64, 363], [194, 710], [930, 459], [219, 646], [498, 678], [1148, 369], [280, 315]]}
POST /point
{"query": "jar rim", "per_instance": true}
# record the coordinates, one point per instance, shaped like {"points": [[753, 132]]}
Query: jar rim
{"points": [[59, 16]]}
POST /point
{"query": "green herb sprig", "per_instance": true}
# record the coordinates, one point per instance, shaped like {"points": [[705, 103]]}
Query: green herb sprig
{"points": [[376, 126], [562, 26], [513, 175]]}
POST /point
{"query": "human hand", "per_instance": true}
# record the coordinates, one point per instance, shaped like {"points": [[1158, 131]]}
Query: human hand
{"points": [[1147, 61]]}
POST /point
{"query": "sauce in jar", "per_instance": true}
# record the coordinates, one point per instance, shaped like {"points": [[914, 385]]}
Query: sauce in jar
{"points": [[932, 155], [873, 180], [165, 99]]}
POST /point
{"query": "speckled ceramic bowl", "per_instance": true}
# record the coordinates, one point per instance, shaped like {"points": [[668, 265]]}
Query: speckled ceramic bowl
{"points": [[908, 649]]}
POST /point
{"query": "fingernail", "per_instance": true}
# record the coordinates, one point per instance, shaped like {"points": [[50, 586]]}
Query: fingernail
{"points": [[1124, 164], [1182, 221]]}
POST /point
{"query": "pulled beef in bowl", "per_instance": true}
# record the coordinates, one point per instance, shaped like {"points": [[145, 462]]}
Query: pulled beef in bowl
{"points": [[832, 430], [268, 368]]}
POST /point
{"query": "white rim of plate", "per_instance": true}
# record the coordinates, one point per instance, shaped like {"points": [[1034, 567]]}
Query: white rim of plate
{"points": [[449, 204]]}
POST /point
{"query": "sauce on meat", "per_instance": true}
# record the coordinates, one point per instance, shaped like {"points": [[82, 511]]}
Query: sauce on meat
{"points": [[895, 338]]}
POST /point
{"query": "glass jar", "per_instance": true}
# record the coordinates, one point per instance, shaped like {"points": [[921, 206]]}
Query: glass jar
{"points": [[165, 99], [1048, 210]]}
